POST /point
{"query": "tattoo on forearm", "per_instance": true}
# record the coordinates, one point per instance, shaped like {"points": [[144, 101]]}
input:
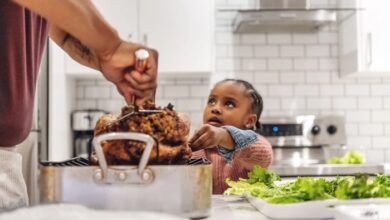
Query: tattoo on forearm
{"points": [[74, 44]]}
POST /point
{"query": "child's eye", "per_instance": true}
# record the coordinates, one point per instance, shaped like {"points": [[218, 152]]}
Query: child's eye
{"points": [[211, 101], [230, 104]]}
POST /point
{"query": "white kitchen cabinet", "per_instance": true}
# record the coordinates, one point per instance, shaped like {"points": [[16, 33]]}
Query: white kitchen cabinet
{"points": [[180, 30], [364, 40]]}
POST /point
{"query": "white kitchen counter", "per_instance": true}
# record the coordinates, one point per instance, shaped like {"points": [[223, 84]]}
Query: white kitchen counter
{"points": [[233, 207]]}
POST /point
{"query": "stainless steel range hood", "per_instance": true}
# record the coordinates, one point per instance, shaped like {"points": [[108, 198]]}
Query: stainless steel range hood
{"points": [[285, 16]]}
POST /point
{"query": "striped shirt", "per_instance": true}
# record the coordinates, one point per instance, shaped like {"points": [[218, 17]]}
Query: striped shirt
{"points": [[258, 151]]}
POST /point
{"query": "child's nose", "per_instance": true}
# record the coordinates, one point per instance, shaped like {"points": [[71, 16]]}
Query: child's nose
{"points": [[216, 110]]}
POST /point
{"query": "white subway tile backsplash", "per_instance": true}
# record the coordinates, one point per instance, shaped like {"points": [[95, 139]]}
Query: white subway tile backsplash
{"points": [[282, 38], [331, 90], [199, 91], [334, 51], [270, 78], [111, 105], [114, 94], [262, 89], [306, 90], [387, 156], [279, 90], [317, 77], [299, 38], [359, 142], [188, 105], [79, 92], [242, 51], [226, 38], [351, 129], [253, 39], [86, 82], [292, 51], [357, 90], [176, 91], [381, 116], [318, 51], [305, 64], [271, 103], [280, 64], [380, 90], [253, 64], [386, 102], [97, 92], [370, 103], [381, 142], [371, 129], [328, 38], [328, 64], [86, 104], [222, 51], [292, 77], [266, 51], [291, 104], [247, 76], [228, 64], [358, 116], [344, 103], [319, 103], [375, 156], [387, 129]]}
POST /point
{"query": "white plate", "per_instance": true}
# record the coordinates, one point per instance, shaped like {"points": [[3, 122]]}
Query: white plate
{"points": [[320, 209], [363, 212]]}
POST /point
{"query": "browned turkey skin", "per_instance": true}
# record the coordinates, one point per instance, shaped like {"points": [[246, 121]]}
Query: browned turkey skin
{"points": [[168, 129]]}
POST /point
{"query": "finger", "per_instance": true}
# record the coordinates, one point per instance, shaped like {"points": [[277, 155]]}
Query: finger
{"points": [[197, 134], [140, 84], [202, 142]]}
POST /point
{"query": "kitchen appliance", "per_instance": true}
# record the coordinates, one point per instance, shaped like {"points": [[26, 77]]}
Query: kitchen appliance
{"points": [[302, 144], [290, 15], [183, 190], [83, 125], [300, 140]]}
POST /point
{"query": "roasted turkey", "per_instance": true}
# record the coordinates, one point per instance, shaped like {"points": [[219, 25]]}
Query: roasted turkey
{"points": [[168, 128]]}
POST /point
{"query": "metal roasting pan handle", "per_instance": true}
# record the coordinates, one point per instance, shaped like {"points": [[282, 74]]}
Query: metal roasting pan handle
{"points": [[113, 175]]}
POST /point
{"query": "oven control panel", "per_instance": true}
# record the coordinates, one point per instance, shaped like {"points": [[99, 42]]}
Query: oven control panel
{"points": [[275, 130], [304, 130]]}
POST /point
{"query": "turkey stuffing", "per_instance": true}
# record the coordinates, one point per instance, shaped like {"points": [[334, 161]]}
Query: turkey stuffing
{"points": [[168, 128]]}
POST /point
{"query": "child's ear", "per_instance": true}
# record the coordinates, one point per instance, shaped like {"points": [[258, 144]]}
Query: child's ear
{"points": [[251, 121]]}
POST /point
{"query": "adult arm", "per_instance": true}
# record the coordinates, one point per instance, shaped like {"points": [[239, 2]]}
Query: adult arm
{"points": [[78, 28]]}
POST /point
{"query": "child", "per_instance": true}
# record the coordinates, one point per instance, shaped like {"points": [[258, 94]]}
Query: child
{"points": [[228, 137]]}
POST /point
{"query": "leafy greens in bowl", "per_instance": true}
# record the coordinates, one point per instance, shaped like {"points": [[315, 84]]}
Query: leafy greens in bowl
{"points": [[266, 185]]}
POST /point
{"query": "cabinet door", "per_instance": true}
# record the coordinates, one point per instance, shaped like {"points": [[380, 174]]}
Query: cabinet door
{"points": [[181, 31], [377, 35], [364, 41], [123, 16]]}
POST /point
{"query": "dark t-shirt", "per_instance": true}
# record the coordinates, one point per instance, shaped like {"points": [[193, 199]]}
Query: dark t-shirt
{"points": [[23, 36]]}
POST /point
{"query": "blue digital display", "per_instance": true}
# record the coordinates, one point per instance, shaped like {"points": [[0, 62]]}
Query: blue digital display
{"points": [[278, 130]]}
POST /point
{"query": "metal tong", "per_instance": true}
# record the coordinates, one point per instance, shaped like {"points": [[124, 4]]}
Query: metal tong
{"points": [[141, 57]]}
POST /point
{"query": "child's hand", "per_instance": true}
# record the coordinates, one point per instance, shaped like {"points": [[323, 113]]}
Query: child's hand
{"points": [[209, 136]]}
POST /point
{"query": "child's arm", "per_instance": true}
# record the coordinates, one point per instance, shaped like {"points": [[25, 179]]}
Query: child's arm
{"points": [[258, 152], [210, 136]]}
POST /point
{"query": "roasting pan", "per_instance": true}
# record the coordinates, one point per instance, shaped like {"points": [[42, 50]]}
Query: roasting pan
{"points": [[183, 190]]}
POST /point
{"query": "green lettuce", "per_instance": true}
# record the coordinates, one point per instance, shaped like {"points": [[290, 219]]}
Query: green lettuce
{"points": [[262, 184], [351, 157]]}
